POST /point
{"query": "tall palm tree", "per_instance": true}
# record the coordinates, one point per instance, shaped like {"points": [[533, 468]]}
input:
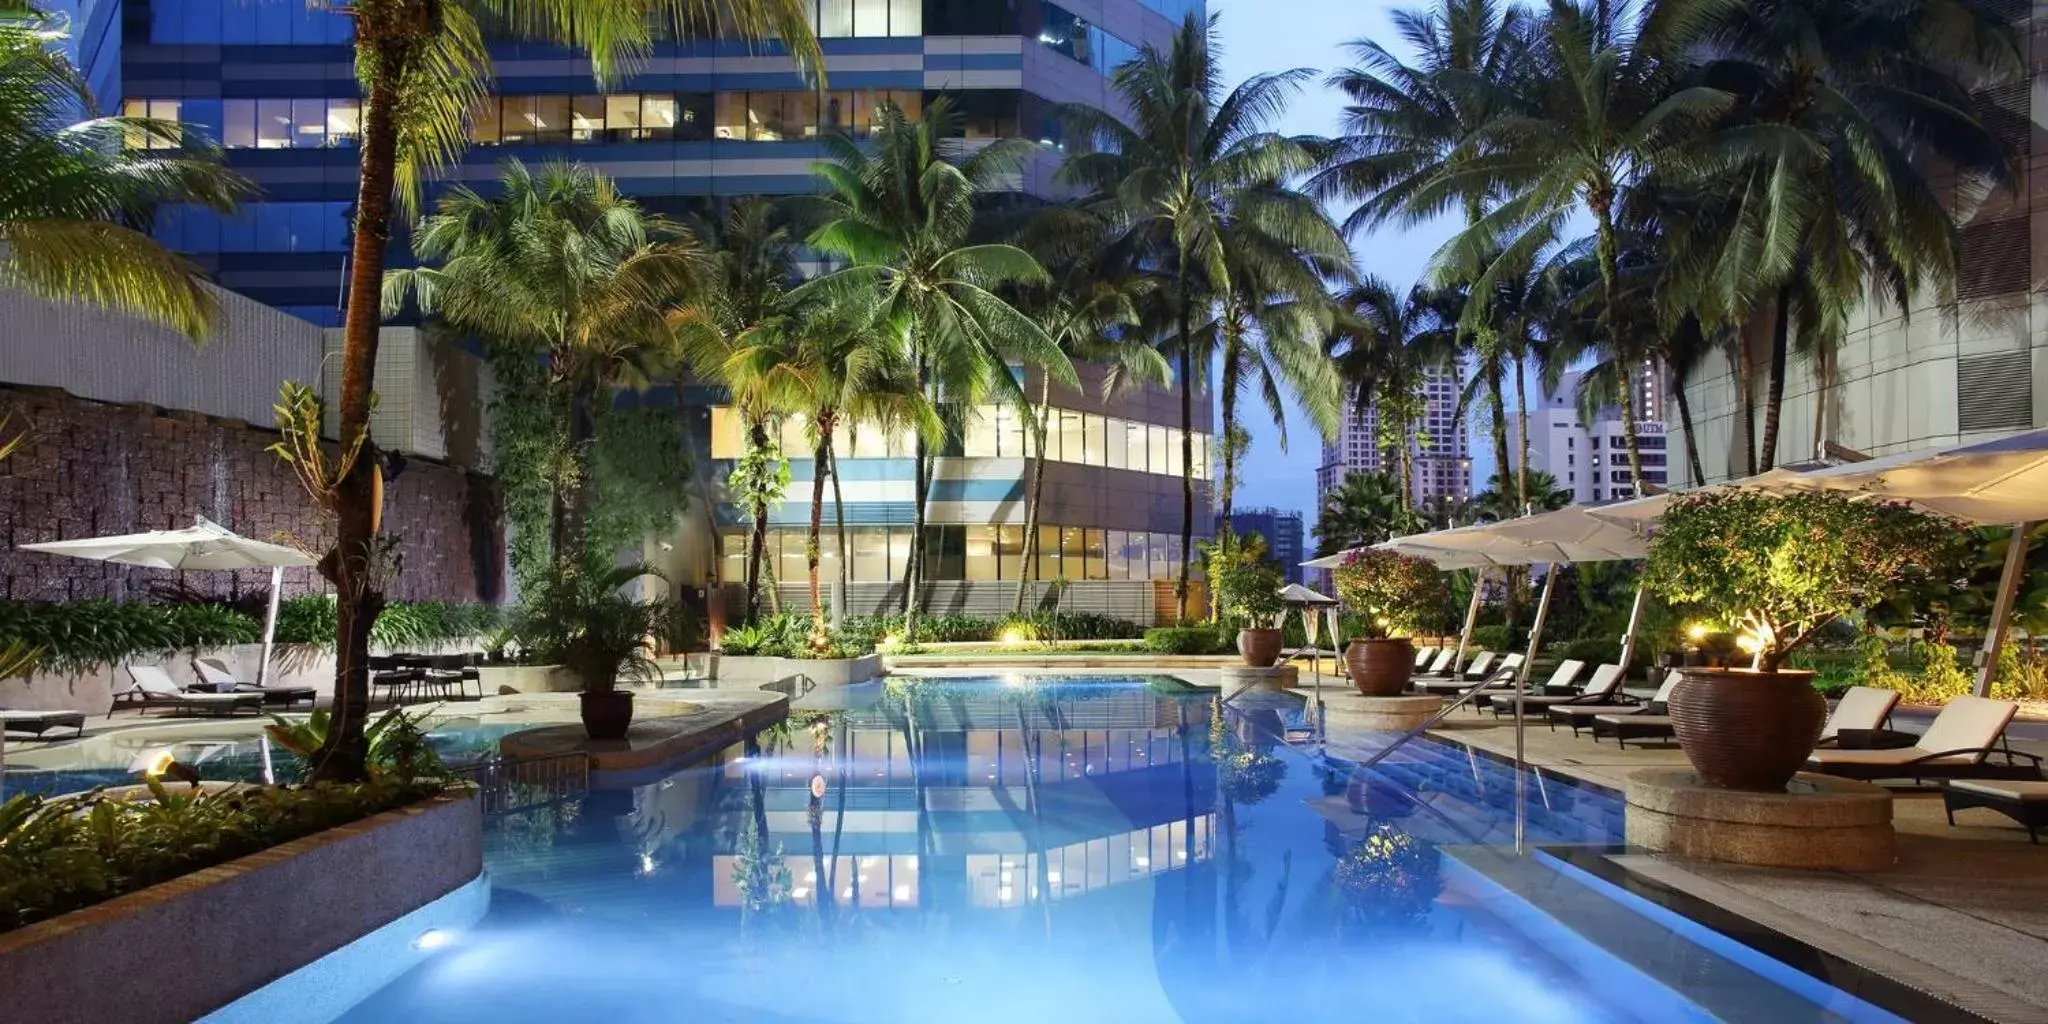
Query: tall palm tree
{"points": [[1192, 173], [424, 67], [1088, 307], [834, 365], [1502, 497], [753, 268], [77, 194], [558, 265], [1844, 110], [1380, 369], [1364, 508], [899, 209]]}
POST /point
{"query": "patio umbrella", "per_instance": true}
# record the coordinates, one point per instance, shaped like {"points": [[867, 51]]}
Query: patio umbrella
{"points": [[203, 545]]}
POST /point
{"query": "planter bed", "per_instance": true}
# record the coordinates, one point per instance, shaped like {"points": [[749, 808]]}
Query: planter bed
{"points": [[177, 950], [758, 671]]}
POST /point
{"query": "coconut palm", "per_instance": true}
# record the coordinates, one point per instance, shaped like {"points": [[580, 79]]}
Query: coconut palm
{"points": [[1844, 111], [834, 365], [899, 210], [1190, 174], [1088, 308], [1502, 497], [753, 268], [557, 265], [1380, 369], [76, 195], [1364, 508], [424, 67]]}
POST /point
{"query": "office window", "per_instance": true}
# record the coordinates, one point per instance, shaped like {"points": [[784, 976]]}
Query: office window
{"points": [[1009, 433], [1010, 552], [871, 17], [980, 561], [1074, 552], [1092, 551], [906, 17], [1093, 434], [273, 124], [1117, 558], [1135, 446], [1174, 454], [1116, 445], [945, 552], [978, 433], [1071, 447], [162, 110], [586, 118], [238, 124], [1162, 556], [795, 566], [729, 119], [483, 122], [899, 554], [835, 19], [344, 122], [733, 568], [1156, 445]]}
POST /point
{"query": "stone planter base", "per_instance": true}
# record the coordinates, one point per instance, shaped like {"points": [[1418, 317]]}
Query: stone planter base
{"points": [[1348, 710], [1821, 822], [757, 671], [1236, 679], [175, 952]]}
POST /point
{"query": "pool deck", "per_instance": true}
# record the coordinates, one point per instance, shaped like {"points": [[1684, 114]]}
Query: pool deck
{"points": [[1962, 915]]}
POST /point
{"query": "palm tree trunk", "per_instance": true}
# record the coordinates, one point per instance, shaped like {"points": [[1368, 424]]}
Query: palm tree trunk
{"points": [[1039, 423], [1823, 382], [757, 542], [1774, 399], [913, 570], [1187, 449], [1617, 327], [1226, 490], [839, 518], [1692, 444], [572, 503], [342, 755], [1745, 400], [1522, 412], [820, 458], [1497, 392]]}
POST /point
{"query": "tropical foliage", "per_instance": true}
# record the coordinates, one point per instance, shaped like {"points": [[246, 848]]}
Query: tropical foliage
{"points": [[1397, 594]]}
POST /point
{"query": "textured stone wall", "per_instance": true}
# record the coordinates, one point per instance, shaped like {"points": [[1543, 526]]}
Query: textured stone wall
{"points": [[92, 468]]}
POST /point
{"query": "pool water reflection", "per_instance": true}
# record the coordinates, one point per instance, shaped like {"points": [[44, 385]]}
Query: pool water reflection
{"points": [[976, 849]]}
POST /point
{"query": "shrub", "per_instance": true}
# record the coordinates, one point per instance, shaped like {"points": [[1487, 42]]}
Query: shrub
{"points": [[1593, 650], [1780, 567], [1397, 594], [77, 635], [1493, 638], [1184, 640]]}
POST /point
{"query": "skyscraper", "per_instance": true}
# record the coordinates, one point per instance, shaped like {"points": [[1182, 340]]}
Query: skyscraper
{"points": [[1590, 460], [1443, 459], [1282, 529]]}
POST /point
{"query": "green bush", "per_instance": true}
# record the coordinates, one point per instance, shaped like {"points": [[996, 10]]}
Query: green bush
{"points": [[403, 625], [1493, 638], [1593, 650], [77, 635], [1185, 640]]}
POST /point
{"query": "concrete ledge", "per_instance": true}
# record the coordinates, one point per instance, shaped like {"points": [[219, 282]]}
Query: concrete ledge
{"points": [[755, 671], [174, 952], [1351, 710], [653, 743], [527, 678], [1819, 823], [1236, 679]]}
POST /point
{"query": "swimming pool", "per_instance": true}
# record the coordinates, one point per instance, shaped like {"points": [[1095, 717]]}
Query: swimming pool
{"points": [[1051, 850]]}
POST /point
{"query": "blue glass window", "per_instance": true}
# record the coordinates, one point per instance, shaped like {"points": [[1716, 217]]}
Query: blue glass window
{"points": [[1067, 33]]}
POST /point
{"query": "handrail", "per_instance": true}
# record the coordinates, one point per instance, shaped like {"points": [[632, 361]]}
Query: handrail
{"points": [[1436, 716]]}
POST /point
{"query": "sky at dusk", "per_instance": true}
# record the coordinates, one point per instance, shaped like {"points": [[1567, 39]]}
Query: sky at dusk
{"points": [[1269, 35]]}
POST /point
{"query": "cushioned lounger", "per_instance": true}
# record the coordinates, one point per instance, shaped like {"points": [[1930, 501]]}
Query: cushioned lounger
{"points": [[1961, 743], [1582, 716], [1602, 687], [39, 722], [154, 689], [2023, 801], [217, 675]]}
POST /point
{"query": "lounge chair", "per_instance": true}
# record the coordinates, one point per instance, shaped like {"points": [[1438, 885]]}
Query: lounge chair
{"points": [[2023, 801], [1959, 744], [39, 722], [1422, 656], [1561, 680], [1603, 687], [1856, 722], [216, 675], [1478, 668], [1589, 716], [1440, 665], [154, 689]]}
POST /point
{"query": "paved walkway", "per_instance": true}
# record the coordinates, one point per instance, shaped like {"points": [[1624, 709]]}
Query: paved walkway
{"points": [[1962, 915]]}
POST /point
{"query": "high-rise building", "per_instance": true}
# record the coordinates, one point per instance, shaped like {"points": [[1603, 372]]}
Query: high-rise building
{"points": [[1940, 373], [699, 122], [1443, 459], [1590, 460], [1282, 529]]}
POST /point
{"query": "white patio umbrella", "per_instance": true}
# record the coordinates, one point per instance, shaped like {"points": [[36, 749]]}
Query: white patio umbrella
{"points": [[203, 545]]}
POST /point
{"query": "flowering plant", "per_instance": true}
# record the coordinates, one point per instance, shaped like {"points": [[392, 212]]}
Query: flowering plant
{"points": [[1396, 594]]}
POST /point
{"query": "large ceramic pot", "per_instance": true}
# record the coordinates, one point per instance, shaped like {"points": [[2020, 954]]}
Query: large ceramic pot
{"points": [[1746, 730], [606, 715], [1380, 667], [1260, 648]]}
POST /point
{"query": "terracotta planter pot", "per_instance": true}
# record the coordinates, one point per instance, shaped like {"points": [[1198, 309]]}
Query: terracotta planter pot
{"points": [[1747, 730], [1380, 667], [606, 716], [1260, 648]]}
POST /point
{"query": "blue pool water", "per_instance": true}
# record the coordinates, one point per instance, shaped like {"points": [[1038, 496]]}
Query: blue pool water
{"points": [[1039, 850]]}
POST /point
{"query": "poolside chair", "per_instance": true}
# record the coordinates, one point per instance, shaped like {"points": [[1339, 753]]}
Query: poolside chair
{"points": [[1478, 668], [215, 674], [1603, 687], [39, 722], [1588, 716], [1503, 674], [1960, 743], [2021, 800], [1854, 722], [1441, 664], [1503, 680], [154, 689], [1422, 656]]}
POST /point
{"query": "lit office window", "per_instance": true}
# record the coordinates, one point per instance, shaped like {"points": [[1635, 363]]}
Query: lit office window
{"points": [[273, 124], [1135, 446], [1093, 438], [1069, 425], [161, 110], [1092, 552], [899, 554], [1009, 432], [906, 17], [793, 567], [1074, 552], [978, 433], [981, 562], [1136, 554], [1156, 437], [1118, 451], [1117, 562], [1010, 552], [734, 567], [728, 434], [870, 553], [1163, 567]]}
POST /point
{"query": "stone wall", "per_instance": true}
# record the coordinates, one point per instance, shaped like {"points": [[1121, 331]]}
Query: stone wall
{"points": [[93, 468]]}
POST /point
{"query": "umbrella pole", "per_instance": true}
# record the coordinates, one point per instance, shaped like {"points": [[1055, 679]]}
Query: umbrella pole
{"points": [[1628, 639], [1521, 688], [1471, 620], [2001, 609], [270, 624]]}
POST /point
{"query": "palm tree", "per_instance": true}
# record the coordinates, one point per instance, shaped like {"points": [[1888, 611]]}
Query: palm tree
{"points": [[1596, 108], [1844, 109], [832, 365], [899, 209], [753, 268], [1381, 370], [557, 265], [1364, 508], [77, 194], [1502, 497], [1087, 308], [424, 66], [1190, 175]]}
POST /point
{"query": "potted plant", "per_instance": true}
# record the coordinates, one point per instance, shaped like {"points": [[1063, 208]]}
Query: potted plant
{"points": [[580, 621], [1774, 569], [1248, 592], [1393, 595]]}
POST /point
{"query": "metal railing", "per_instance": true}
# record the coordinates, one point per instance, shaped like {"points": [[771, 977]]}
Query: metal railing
{"points": [[507, 785], [1464, 697]]}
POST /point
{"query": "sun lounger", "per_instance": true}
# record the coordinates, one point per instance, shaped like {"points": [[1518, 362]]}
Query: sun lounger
{"points": [[1562, 679], [154, 689], [1586, 716], [1478, 668], [1965, 741], [2023, 801], [1602, 687], [1495, 674], [38, 722], [216, 675], [1854, 723], [1422, 656], [1441, 664]]}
